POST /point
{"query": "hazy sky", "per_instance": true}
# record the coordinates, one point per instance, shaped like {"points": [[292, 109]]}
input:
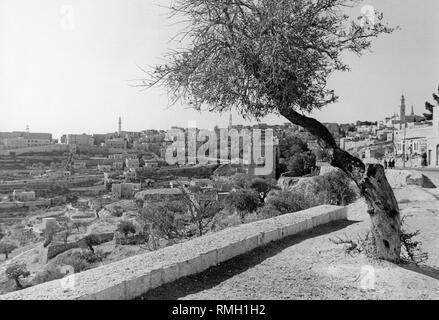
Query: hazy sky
{"points": [[65, 66]]}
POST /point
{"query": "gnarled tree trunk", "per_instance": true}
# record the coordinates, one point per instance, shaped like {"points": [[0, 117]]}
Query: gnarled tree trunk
{"points": [[372, 182]]}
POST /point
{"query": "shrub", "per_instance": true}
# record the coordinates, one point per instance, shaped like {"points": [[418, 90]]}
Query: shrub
{"points": [[268, 211], [15, 272], [285, 202], [117, 211], [166, 218], [301, 164], [126, 227], [263, 187], [77, 261], [243, 201], [81, 260], [333, 188], [93, 257], [91, 240]]}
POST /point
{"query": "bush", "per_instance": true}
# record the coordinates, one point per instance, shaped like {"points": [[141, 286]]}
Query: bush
{"points": [[15, 272], [117, 211], [91, 240], [243, 201], [167, 218], [301, 164], [268, 211], [126, 227], [93, 257], [285, 202], [77, 261], [333, 188], [263, 187]]}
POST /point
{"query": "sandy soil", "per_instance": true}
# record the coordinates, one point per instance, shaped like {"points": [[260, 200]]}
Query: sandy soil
{"points": [[310, 266]]}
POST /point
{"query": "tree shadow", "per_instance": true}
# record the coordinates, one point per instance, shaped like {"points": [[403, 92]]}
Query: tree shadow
{"points": [[217, 274]]}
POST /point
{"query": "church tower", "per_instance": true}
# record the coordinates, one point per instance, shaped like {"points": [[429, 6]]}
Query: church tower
{"points": [[402, 112], [413, 111], [120, 126], [230, 121]]}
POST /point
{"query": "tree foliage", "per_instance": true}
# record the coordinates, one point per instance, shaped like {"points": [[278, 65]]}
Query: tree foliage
{"points": [[430, 107], [126, 227], [6, 248], [243, 201], [262, 56], [166, 218]]}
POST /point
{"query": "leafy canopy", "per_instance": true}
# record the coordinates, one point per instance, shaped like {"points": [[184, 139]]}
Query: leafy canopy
{"points": [[262, 56]]}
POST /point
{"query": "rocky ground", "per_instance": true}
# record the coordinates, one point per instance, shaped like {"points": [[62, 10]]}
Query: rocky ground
{"points": [[310, 266]]}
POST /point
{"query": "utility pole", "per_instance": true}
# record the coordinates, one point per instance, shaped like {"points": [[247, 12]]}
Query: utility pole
{"points": [[403, 146]]}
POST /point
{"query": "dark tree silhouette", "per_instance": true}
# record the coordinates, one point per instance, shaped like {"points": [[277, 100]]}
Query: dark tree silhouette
{"points": [[430, 107], [274, 57]]}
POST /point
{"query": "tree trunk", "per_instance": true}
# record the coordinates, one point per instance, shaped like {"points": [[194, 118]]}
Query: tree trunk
{"points": [[372, 182], [18, 284]]}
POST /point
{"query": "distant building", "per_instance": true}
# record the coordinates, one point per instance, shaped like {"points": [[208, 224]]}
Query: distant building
{"points": [[118, 165], [79, 139], [79, 164], [151, 163], [104, 167], [130, 175], [18, 195], [20, 142], [27, 135], [125, 190], [160, 195], [117, 143], [132, 163]]}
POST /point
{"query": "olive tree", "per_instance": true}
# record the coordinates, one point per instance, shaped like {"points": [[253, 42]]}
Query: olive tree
{"points": [[274, 57]]}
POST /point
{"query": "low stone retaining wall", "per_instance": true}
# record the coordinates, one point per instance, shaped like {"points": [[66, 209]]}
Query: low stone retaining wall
{"points": [[55, 249], [134, 276]]}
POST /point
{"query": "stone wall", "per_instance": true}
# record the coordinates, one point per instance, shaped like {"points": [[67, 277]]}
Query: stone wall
{"points": [[134, 276], [55, 249]]}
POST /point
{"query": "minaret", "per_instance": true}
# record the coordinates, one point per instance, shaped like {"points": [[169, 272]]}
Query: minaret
{"points": [[413, 111], [402, 112], [230, 121], [120, 126]]}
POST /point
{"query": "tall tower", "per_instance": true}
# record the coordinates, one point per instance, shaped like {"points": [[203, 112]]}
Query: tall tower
{"points": [[402, 112], [230, 121], [120, 126], [413, 111]]}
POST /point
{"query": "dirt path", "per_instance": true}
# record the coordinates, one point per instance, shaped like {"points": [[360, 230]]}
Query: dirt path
{"points": [[309, 266]]}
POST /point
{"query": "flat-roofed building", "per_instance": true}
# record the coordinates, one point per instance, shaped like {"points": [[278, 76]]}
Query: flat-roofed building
{"points": [[80, 139], [20, 142], [19, 195]]}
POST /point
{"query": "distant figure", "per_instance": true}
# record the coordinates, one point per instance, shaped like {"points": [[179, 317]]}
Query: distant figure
{"points": [[385, 164], [392, 163]]}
